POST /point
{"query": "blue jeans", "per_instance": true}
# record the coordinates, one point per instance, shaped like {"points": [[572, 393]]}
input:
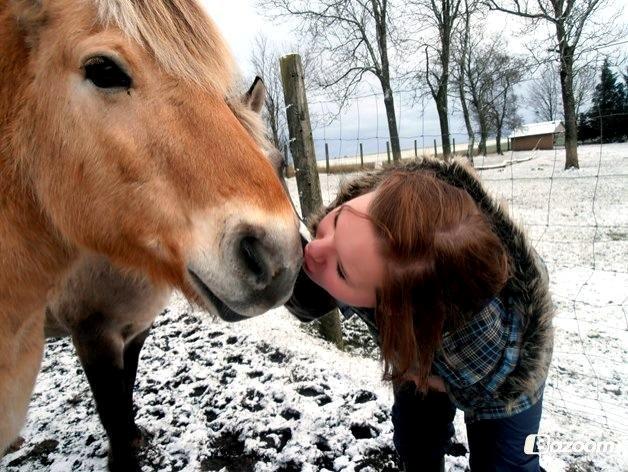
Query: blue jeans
{"points": [[424, 427]]}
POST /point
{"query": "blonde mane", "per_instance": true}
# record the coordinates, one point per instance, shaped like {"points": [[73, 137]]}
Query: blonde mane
{"points": [[183, 39]]}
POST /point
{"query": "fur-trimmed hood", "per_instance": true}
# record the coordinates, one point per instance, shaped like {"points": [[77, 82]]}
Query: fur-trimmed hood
{"points": [[527, 288]]}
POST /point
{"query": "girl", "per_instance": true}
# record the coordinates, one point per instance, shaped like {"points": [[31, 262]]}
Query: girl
{"points": [[457, 298]]}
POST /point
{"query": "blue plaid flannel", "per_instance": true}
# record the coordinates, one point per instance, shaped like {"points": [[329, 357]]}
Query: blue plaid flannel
{"points": [[475, 359]]}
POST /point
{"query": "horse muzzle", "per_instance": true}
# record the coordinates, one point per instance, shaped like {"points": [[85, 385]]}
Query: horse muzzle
{"points": [[257, 271]]}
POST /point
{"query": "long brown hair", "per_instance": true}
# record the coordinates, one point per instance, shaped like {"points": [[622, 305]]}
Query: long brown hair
{"points": [[442, 261]]}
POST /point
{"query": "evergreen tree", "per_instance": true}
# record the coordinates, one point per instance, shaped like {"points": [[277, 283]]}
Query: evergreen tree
{"points": [[607, 116]]}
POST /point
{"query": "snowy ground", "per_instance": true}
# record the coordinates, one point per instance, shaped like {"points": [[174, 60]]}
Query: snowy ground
{"points": [[265, 395]]}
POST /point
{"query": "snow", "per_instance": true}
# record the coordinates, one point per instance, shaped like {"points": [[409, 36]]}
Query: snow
{"points": [[535, 129], [267, 395]]}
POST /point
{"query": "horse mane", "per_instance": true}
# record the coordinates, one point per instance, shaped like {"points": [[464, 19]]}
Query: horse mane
{"points": [[183, 39]]}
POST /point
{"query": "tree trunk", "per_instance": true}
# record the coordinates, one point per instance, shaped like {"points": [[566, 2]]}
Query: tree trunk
{"points": [[571, 126], [443, 118], [483, 139], [498, 138], [569, 102], [389, 102], [467, 120]]}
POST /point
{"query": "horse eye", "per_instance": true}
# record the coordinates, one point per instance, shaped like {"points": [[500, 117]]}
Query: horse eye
{"points": [[106, 74]]}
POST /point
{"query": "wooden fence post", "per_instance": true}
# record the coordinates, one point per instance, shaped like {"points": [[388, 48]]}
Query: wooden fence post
{"points": [[416, 151], [435, 153], [286, 160], [361, 157], [388, 150], [454, 141], [327, 158], [304, 157]]}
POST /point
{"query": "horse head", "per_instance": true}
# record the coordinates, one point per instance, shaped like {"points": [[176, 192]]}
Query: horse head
{"points": [[123, 131]]}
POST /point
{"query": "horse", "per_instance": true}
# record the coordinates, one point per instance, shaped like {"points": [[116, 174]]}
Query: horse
{"points": [[109, 313], [117, 139]]}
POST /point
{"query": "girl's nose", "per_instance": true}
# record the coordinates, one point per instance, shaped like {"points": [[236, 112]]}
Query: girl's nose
{"points": [[319, 249]]}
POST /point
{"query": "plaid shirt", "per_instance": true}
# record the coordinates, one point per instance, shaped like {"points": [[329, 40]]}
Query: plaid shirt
{"points": [[475, 359]]}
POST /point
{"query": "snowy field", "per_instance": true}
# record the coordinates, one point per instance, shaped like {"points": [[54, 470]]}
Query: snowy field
{"points": [[265, 395]]}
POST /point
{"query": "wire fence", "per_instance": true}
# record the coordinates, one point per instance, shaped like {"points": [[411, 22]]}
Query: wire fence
{"points": [[577, 219]]}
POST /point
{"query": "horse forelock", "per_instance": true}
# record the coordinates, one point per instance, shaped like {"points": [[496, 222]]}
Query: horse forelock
{"points": [[182, 38]]}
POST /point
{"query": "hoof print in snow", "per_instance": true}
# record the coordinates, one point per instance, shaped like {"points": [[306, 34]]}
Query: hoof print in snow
{"points": [[323, 400], [361, 431], [291, 466], [325, 462], [39, 453], [363, 396], [309, 391], [216, 344], [276, 439], [157, 413], [255, 374], [198, 391], [291, 414], [382, 460], [210, 415], [227, 376], [322, 445], [456, 449], [214, 334], [237, 359], [252, 400], [232, 340], [228, 453], [277, 357], [90, 440]]}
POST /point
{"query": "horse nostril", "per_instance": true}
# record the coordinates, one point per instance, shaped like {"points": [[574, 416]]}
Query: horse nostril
{"points": [[251, 252]]}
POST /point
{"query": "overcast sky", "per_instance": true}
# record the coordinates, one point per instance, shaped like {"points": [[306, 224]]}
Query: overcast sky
{"points": [[240, 21]]}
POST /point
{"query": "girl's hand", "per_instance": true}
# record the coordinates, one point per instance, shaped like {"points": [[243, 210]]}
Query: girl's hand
{"points": [[436, 383]]}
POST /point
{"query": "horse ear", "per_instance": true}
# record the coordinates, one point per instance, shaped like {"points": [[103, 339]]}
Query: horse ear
{"points": [[256, 95], [30, 15]]}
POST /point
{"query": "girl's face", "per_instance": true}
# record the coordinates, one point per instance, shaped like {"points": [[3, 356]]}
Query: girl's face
{"points": [[343, 258]]}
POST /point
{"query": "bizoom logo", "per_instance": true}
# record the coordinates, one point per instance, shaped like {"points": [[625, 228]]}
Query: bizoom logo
{"points": [[543, 443]]}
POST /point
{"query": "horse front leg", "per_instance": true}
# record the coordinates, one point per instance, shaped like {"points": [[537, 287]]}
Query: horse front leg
{"points": [[131, 359], [102, 356], [20, 360]]}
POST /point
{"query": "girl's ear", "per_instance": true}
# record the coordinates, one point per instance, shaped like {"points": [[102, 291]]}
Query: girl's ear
{"points": [[30, 15]]}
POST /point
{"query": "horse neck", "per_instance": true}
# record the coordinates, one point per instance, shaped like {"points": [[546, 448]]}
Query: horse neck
{"points": [[32, 255]]}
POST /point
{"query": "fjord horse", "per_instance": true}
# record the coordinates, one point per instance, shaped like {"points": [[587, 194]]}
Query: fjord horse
{"points": [[116, 138], [109, 313]]}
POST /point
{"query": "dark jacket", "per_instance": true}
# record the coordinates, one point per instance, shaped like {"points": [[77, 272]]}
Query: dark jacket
{"points": [[527, 289]]}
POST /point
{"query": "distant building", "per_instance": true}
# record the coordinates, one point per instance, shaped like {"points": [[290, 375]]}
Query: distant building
{"points": [[543, 135]]}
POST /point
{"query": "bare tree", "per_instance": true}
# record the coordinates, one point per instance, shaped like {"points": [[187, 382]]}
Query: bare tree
{"points": [[575, 33], [477, 85], [489, 77], [584, 85], [265, 61], [459, 74], [502, 100], [544, 96], [444, 17], [352, 36]]}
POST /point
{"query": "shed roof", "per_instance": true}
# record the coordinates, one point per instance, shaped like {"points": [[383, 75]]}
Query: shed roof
{"points": [[535, 129]]}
